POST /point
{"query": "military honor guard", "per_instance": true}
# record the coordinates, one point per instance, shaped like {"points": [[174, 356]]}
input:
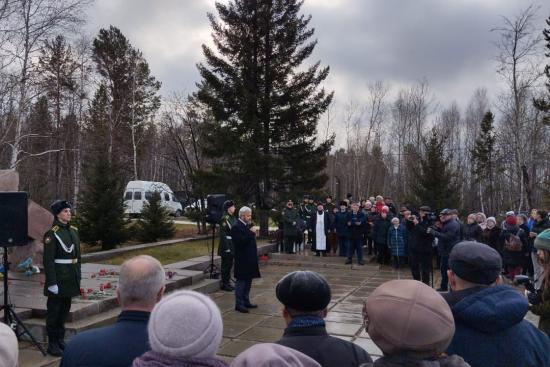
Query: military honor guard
{"points": [[225, 248], [62, 269]]}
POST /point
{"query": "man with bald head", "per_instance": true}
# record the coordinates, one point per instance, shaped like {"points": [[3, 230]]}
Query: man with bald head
{"points": [[140, 287]]}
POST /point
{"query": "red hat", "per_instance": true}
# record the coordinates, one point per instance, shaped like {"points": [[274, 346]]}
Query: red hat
{"points": [[385, 209], [511, 221]]}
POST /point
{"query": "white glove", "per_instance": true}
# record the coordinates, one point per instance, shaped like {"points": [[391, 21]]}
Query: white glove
{"points": [[54, 289]]}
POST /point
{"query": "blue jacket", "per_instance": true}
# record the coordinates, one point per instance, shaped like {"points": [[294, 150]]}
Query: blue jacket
{"points": [[116, 345], [491, 330], [341, 224], [449, 236], [397, 240]]}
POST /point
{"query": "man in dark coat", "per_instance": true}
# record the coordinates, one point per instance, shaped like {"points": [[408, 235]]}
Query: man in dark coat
{"points": [[305, 296], [489, 318], [447, 237], [420, 245], [62, 269], [320, 240], [290, 231], [471, 231], [356, 223], [246, 259], [342, 229], [140, 287]]}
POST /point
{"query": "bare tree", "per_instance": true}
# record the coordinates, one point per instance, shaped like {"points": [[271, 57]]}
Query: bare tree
{"points": [[518, 48]]}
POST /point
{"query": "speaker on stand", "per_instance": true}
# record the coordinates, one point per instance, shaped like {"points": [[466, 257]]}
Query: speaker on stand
{"points": [[13, 232], [214, 214]]}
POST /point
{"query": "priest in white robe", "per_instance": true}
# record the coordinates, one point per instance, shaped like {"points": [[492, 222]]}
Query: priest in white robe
{"points": [[320, 223]]}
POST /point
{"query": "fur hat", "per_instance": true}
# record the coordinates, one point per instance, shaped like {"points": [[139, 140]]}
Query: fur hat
{"points": [[542, 241], [272, 355], [58, 205], [409, 317], [303, 290], [9, 351], [186, 324]]}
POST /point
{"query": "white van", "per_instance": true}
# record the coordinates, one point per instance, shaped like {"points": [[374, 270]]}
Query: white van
{"points": [[137, 192]]}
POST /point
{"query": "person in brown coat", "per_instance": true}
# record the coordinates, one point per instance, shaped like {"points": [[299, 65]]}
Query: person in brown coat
{"points": [[412, 324]]}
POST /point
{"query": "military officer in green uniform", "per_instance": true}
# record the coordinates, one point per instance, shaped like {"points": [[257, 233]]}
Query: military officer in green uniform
{"points": [[62, 269], [225, 248], [290, 232]]}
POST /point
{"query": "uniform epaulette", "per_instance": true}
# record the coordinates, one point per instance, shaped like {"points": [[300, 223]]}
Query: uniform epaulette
{"points": [[73, 227], [55, 228]]}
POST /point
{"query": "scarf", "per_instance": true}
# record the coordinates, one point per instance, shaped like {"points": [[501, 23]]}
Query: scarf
{"points": [[302, 321], [154, 359]]}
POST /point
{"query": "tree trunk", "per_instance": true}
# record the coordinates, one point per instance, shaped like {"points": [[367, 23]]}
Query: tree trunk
{"points": [[264, 222]]}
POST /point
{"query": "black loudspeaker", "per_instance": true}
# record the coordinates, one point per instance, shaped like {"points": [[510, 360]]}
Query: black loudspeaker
{"points": [[13, 219], [214, 208]]}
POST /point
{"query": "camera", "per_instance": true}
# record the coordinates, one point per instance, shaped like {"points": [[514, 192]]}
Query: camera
{"points": [[535, 295]]}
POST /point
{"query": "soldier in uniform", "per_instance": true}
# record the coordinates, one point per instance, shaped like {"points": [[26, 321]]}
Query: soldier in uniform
{"points": [[225, 249], [306, 211], [62, 269], [290, 231]]}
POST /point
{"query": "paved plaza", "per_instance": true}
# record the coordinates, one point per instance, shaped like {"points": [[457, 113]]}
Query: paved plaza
{"points": [[350, 286]]}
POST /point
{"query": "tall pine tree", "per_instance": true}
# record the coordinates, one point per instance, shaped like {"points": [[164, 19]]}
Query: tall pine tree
{"points": [[483, 155], [266, 103], [435, 180], [101, 205]]}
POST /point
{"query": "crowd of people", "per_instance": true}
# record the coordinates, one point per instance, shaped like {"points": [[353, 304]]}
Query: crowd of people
{"points": [[417, 237], [476, 318], [480, 323]]}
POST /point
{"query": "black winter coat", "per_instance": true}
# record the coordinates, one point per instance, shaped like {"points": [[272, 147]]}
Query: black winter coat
{"points": [[327, 350], [512, 258], [471, 232], [246, 252], [420, 241], [491, 237], [380, 230]]}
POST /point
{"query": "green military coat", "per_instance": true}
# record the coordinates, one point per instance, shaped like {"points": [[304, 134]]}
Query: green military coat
{"points": [[225, 247], [62, 260], [290, 218]]}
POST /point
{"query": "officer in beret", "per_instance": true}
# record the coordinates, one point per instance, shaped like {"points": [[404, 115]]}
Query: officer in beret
{"points": [[305, 296], [225, 248], [490, 325], [62, 269]]}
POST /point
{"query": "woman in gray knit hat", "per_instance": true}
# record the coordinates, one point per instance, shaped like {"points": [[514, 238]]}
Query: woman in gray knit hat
{"points": [[412, 324], [185, 330]]}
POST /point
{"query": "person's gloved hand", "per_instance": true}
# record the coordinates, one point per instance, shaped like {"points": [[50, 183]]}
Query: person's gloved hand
{"points": [[54, 289]]}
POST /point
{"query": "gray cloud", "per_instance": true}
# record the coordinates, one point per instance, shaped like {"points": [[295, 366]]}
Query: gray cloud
{"points": [[398, 41]]}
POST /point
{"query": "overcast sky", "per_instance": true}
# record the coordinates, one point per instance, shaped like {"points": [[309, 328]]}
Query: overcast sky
{"points": [[448, 42]]}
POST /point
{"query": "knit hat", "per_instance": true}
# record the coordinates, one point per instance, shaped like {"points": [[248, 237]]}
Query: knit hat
{"points": [[409, 317], [303, 291], [9, 351], [542, 241], [272, 355], [511, 220], [186, 324], [385, 209], [510, 213], [475, 262], [492, 219], [58, 205]]}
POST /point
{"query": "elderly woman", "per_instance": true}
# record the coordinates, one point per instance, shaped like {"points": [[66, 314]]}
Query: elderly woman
{"points": [[481, 219], [471, 231]]}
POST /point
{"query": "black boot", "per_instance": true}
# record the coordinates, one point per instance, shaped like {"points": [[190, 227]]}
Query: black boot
{"points": [[227, 287], [53, 347]]}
